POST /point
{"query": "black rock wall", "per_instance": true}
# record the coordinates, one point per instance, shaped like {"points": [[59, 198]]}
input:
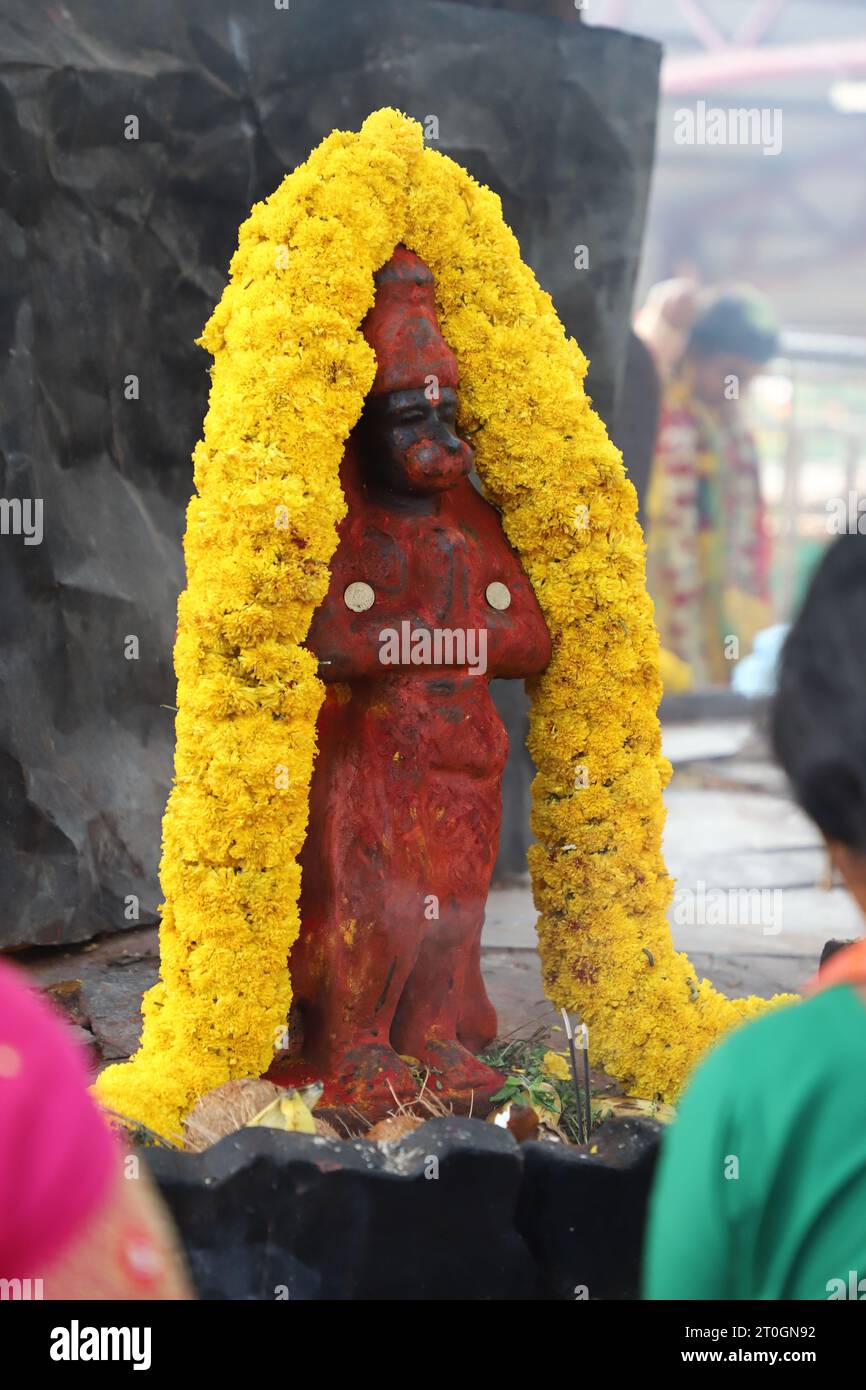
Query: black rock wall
{"points": [[115, 250]]}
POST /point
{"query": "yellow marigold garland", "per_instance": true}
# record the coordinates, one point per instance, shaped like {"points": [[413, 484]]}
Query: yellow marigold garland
{"points": [[291, 371]]}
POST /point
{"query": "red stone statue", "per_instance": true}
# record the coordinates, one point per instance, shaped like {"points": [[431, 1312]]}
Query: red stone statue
{"points": [[427, 602]]}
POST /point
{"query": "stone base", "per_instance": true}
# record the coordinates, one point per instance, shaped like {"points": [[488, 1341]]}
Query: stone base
{"points": [[456, 1210]]}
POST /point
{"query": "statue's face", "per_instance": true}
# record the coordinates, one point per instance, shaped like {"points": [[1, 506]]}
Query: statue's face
{"points": [[411, 442]]}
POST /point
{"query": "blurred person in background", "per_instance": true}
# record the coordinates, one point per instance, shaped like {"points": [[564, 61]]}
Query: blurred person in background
{"points": [[761, 1187], [707, 546], [79, 1219]]}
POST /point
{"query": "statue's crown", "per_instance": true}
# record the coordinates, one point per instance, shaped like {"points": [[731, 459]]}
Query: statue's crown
{"points": [[403, 330]]}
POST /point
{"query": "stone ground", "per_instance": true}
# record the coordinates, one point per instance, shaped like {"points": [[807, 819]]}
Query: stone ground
{"points": [[731, 828]]}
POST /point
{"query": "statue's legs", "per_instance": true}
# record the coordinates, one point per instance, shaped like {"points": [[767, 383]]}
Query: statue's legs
{"points": [[476, 1024], [362, 923], [427, 1019], [441, 989], [395, 872]]}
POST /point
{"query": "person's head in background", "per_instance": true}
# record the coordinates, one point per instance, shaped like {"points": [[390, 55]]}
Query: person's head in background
{"points": [[732, 337], [819, 713]]}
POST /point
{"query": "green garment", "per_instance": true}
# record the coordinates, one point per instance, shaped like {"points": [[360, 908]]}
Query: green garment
{"points": [[784, 1100]]}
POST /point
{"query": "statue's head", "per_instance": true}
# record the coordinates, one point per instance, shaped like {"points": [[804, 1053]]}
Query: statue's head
{"points": [[409, 425]]}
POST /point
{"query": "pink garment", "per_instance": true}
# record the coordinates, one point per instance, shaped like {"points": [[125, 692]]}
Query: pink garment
{"points": [[57, 1155]]}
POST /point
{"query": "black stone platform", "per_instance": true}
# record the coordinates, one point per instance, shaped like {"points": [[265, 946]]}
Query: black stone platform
{"points": [[456, 1210]]}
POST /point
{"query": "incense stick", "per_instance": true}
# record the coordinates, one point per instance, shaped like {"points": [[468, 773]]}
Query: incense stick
{"points": [[581, 1137]]}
